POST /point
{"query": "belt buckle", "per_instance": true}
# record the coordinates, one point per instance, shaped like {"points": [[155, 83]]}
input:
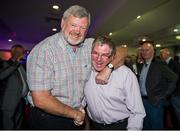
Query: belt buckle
{"points": [[119, 121]]}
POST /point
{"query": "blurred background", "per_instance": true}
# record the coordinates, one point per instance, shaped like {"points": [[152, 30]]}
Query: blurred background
{"points": [[129, 22]]}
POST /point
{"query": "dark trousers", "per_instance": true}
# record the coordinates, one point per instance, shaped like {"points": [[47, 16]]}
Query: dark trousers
{"points": [[120, 125], [154, 119], [12, 119], [175, 101], [40, 120]]}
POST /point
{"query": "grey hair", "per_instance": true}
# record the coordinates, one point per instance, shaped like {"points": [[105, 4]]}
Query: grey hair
{"points": [[77, 11], [165, 50], [105, 40]]}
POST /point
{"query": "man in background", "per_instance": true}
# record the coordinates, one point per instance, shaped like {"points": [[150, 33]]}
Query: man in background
{"points": [[13, 89], [165, 55], [157, 82]]}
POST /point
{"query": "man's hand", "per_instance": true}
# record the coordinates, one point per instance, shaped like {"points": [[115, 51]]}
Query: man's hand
{"points": [[80, 116], [19, 58], [103, 76]]}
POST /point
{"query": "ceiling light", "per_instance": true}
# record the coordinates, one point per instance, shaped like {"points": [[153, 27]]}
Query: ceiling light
{"points": [[158, 45], [175, 30], [10, 40], [56, 7], [54, 29], [138, 17], [124, 45], [143, 39], [178, 37], [110, 33]]}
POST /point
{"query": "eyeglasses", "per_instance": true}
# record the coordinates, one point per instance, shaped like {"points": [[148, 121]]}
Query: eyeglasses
{"points": [[103, 56]]}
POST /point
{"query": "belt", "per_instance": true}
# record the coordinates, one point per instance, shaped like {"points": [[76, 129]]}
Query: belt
{"points": [[112, 124], [145, 97], [44, 114]]}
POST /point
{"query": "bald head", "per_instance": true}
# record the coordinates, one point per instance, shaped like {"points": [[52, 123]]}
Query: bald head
{"points": [[147, 51]]}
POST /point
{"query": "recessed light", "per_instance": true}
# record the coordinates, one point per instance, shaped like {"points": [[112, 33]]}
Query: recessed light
{"points": [[56, 7], [143, 39], [138, 17], [10, 40], [175, 30], [124, 45], [178, 37], [54, 29], [158, 45]]}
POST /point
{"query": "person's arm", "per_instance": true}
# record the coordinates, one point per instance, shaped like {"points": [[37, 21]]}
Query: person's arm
{"points": [[171, 79], [103, 76], [7, 68], [134, 102], [45, 101]]}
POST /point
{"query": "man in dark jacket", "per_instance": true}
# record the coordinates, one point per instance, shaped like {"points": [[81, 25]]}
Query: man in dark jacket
{"points": [[13, 89], [175, 98], [157, 82]]}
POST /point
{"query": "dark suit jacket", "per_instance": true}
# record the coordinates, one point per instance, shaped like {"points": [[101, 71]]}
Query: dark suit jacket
{"points": [[160, 81], [175, 67], [11, 85], [11, 95]]}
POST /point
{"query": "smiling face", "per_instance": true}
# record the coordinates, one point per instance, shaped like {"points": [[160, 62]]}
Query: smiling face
{"points": [[101, 56], [74, 29], [147, 51]]}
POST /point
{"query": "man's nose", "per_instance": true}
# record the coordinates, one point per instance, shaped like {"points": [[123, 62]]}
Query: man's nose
{"points": [[99, 57], [78, 29]]}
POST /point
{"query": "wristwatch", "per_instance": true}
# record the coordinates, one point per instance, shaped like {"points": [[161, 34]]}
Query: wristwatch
{"points": [[110, 66]]}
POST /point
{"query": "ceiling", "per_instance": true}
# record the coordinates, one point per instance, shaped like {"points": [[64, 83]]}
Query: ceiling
{"points": [[30, 21]]}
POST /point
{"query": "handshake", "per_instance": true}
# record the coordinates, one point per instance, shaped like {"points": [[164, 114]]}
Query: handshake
{"points": [[79, 116]]}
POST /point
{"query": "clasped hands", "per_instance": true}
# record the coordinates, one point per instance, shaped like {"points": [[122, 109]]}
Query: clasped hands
{"points": [[79, 116]]}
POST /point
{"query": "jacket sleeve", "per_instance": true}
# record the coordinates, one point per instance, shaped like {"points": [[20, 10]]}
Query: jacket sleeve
{"points": [[7, 68], [171, 79]]}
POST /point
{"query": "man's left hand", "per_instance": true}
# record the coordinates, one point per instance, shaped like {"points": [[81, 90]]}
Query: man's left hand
{"points": [[103, 76]]}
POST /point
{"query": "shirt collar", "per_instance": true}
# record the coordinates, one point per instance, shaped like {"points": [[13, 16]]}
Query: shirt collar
{"points": [[168, 59], [149, 61]]}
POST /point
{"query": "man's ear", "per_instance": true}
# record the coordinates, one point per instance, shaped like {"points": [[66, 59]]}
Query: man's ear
{"points": [[62, 23], [112, 57]]}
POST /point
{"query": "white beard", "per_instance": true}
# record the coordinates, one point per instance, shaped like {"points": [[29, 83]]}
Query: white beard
{"points": [[73, 42]]}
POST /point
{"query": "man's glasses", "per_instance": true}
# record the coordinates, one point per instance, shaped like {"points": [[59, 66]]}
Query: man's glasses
{"points": [[103, 56]]}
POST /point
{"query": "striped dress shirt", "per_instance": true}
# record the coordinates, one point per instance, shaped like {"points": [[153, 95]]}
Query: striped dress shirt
{"points": [[117, 100], [53, 65]]}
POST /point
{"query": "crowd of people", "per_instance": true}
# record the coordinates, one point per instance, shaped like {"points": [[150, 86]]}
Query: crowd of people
{"points": [[70, 80]]}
